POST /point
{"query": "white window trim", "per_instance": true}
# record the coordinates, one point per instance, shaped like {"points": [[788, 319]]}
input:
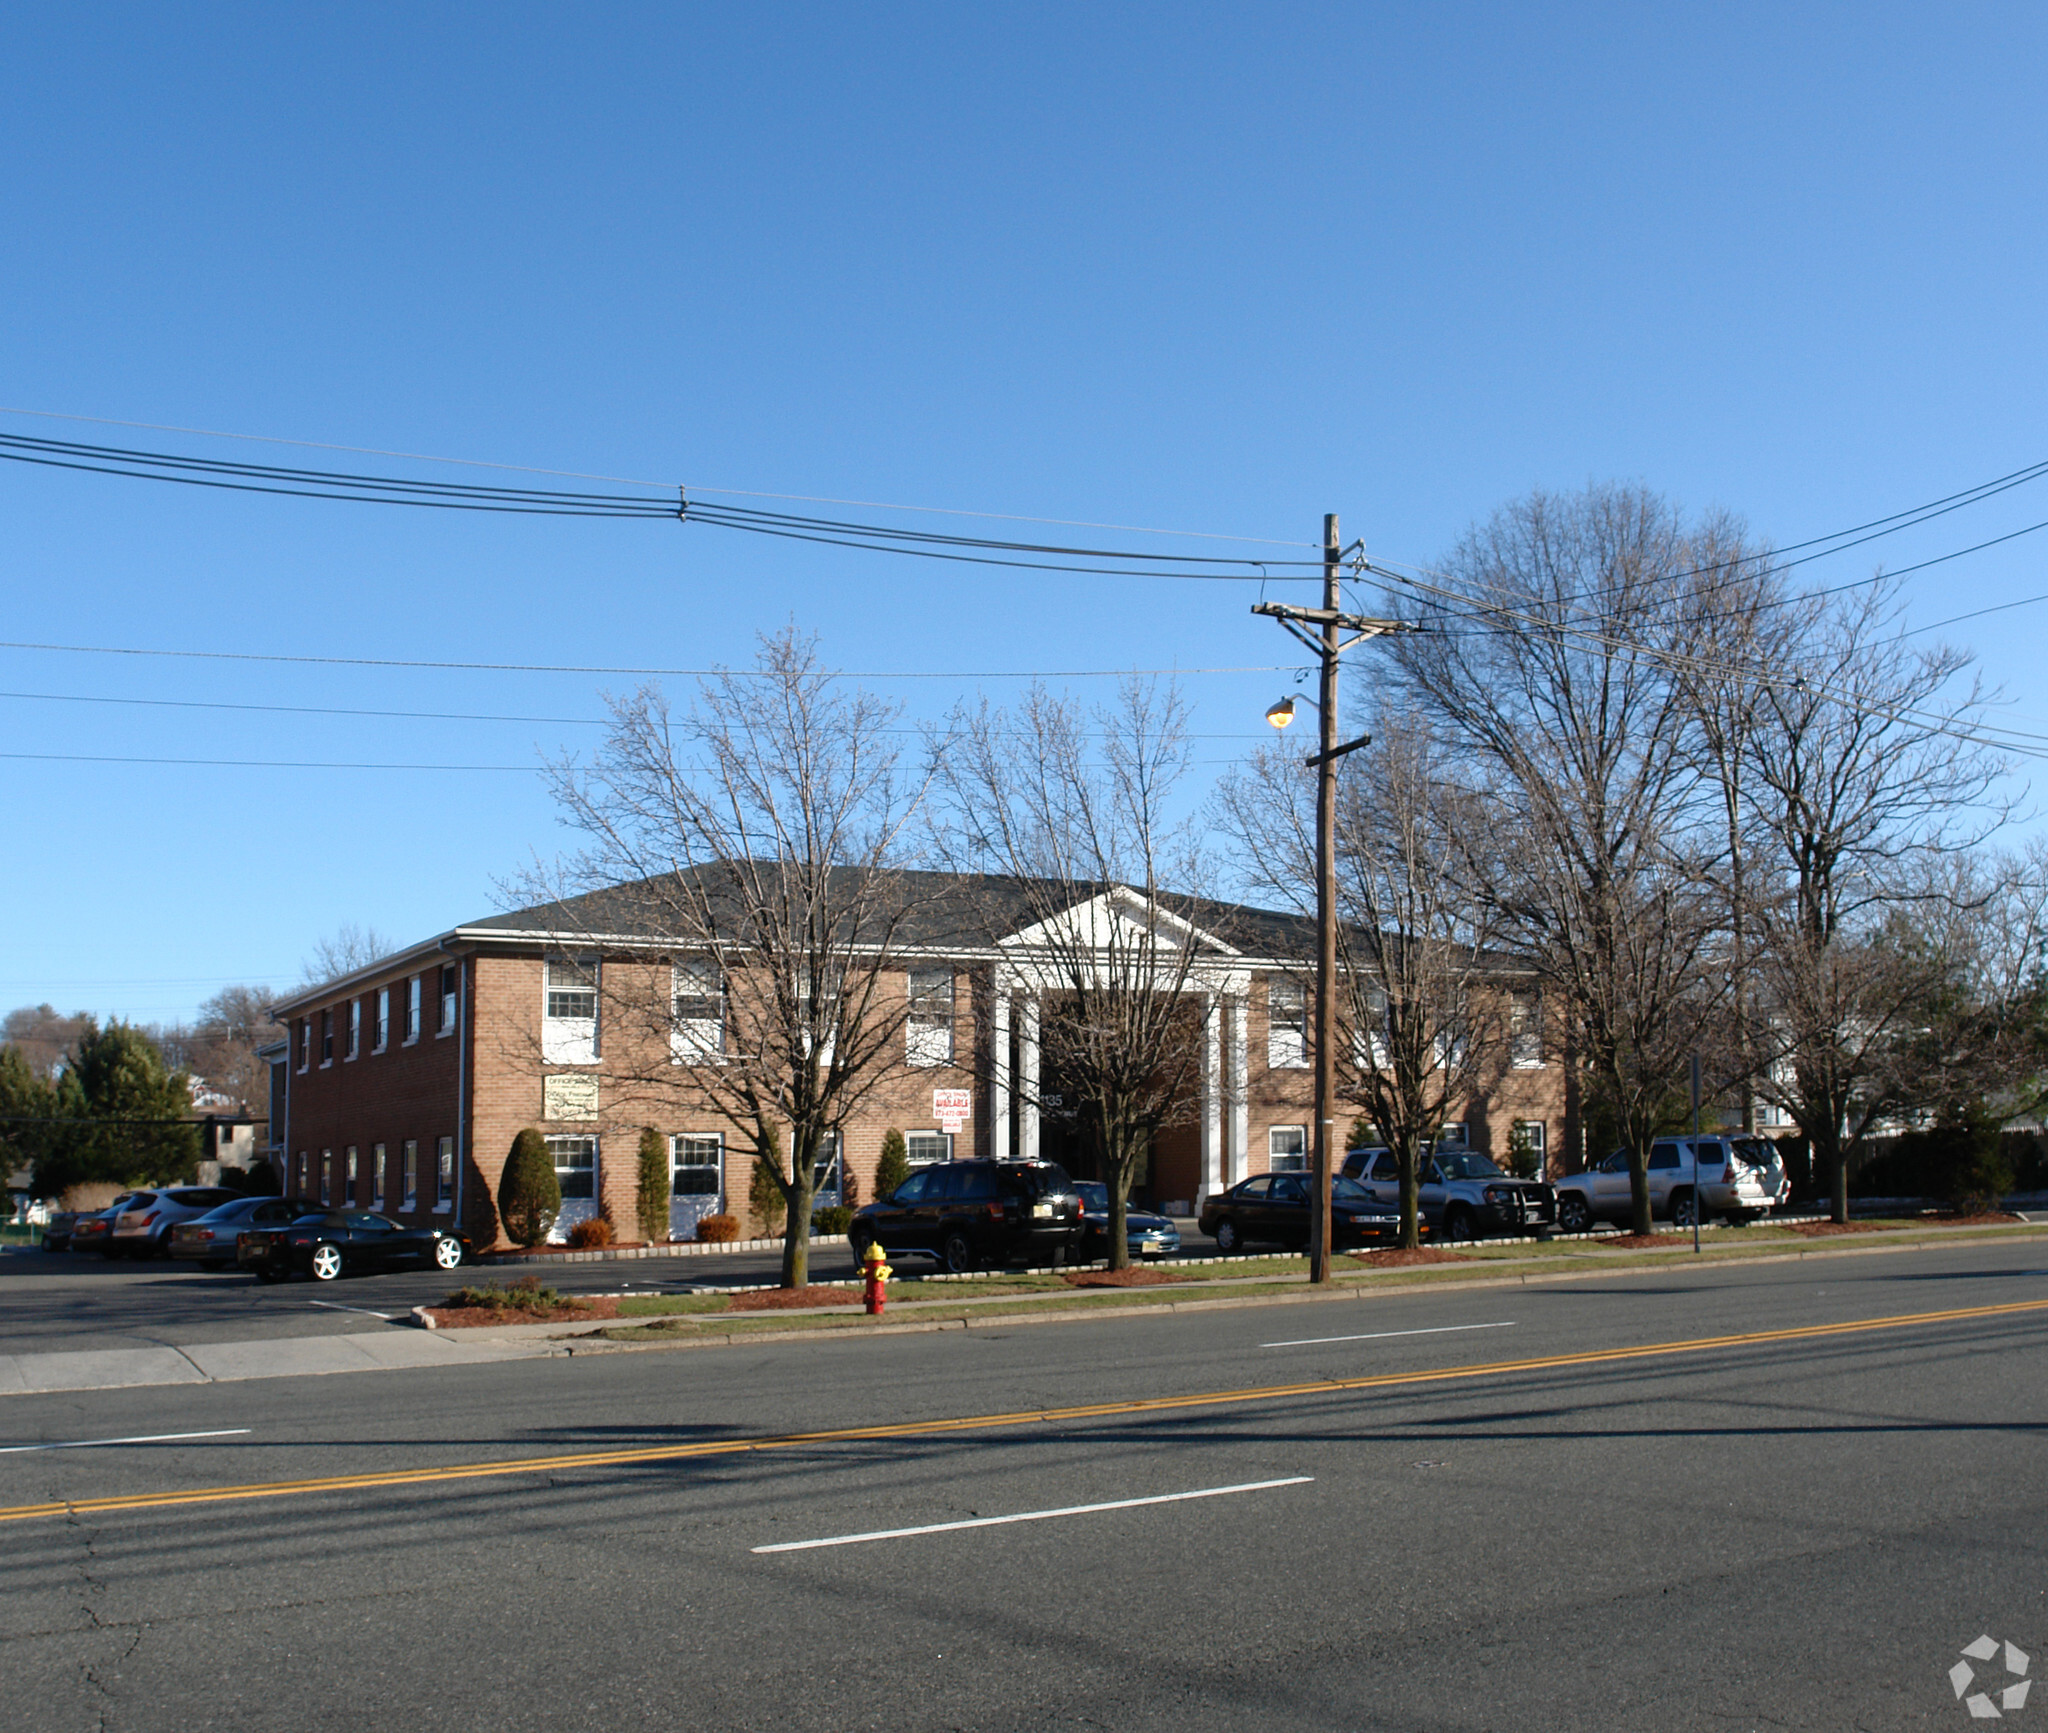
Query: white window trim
{"points": [[596, 1198], [383, 1021], [415, 1010], [570, 1040], [444, 1146], [378, 1175], [1525, 1046], [1286, 1048], [355, 1030], [697, 1040], [917, 1166], [1273, 1154]]}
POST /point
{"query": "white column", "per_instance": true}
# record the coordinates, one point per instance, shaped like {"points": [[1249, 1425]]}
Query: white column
{"points": [[1212, 1100], [999, 1075], [1238, 1157], [1027, 1078]]}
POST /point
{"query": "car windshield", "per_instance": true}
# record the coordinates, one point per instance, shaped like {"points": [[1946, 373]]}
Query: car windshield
{"points": [[1468, 1166], [1349, 1191], [1035, 1178], [1093, 1196], [229, 1211], [1753, 1150]]}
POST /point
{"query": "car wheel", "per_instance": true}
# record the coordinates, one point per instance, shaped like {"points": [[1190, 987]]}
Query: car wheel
{"points": [[1685, 1209], [956, 1252], [326, 1264], [448, 1253], [860, 1240], [1458, 1227], [1573, 1217], [1228, 1239]]}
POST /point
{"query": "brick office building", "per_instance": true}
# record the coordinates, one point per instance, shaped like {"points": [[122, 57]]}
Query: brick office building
{"points": [[403, 1085]]}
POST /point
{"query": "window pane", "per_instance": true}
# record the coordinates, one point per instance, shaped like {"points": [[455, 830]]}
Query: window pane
{"points": [[920, 1147], [575, 1165]]}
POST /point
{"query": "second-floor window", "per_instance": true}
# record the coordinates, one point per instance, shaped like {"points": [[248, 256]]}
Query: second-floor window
{"points": [[1525, 1029], [326, 1037], [928, 1035], [1286, 1024], [382, 1033], [305, 1043], [412, 1008], [697, 1036], [355, 1027], [569, 1020], [448, 983]]}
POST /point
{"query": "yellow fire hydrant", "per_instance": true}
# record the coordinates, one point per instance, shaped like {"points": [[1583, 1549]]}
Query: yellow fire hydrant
{"points": [[874, 1279]]}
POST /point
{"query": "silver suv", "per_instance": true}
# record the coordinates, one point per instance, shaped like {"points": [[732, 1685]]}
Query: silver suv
{"points": [[1737, 1177], [143, 1228], [1461, 1194]]}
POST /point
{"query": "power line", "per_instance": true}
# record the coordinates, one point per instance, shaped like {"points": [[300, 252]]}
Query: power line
{"points": [[632, 481], [585, 668]]}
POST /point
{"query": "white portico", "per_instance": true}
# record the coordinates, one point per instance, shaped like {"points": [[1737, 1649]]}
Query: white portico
{"points": [[1118, 938]]}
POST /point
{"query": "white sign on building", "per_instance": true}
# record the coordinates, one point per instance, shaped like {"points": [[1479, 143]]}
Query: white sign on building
{"points": [[952, 1108]]}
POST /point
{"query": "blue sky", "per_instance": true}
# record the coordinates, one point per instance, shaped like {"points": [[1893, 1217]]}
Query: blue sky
{"points": [[1201, 268]]}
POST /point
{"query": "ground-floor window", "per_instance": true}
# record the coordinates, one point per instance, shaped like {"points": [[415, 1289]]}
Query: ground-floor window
{"points": [[1452, 1136], [825, 1173], [326, 1176], [575, 1166], [348, 1174], [1529, 1146], [376, 1176], [444, 1174], [411, 1175], [305, 1186], [696, 1165], [1287, 1148], [922, 1148]]}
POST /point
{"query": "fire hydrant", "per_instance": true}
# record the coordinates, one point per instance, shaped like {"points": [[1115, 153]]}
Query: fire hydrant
{"points": [[874, 1279]]}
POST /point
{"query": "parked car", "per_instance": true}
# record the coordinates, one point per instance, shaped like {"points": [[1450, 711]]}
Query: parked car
{"points": [[1738, 1177], [93, 1230], [1460, 1193], [211, 1238], [1148, 1235], [969, 1213], [57, 1230], [142, 1229], [330, 1243], [1273, 1207]]}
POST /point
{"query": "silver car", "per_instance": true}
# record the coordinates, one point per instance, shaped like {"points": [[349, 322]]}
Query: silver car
{"points": [[211, 1238], [1738, 1177], [143, 1228]]}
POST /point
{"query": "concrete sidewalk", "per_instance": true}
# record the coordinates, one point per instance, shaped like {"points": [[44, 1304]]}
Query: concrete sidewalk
{"points": [[385, 1350]]}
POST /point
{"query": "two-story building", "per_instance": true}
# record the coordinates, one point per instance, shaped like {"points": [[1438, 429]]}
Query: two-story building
{"points": [[400, 1087]]}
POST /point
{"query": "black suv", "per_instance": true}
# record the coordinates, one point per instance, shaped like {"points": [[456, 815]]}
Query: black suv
{"points": [[967, 1213]]}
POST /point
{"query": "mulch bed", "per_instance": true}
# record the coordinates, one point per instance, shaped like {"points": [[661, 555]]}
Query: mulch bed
{"points": [[1402, 1256], [1134, 1277], [1640, 1242], [1818, 1230], [793, 1299], [481, 1317]]}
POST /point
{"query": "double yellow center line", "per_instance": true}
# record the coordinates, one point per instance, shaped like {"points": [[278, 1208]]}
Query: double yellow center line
{"points": [[990, 1422]]}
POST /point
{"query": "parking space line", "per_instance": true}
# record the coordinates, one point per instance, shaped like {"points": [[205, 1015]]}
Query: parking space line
{"points": [[1031, 1515], [144, 1438], [360, 1311], [1383, 1335]]}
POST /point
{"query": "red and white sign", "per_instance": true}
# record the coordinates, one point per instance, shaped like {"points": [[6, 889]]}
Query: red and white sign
{"points": [[951, 1108]]}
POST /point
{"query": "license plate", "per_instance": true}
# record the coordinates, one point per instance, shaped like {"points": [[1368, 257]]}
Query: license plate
{"points": [[1041, 1209]]}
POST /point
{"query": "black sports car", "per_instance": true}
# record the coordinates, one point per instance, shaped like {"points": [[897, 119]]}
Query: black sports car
{"points": [[1274, 1207], [324, 1244]]}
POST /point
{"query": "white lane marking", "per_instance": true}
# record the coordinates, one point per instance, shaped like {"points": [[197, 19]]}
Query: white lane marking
{"points": [[145, 1438], [1382, 1335], [1032, 1515], [361, 1311]]}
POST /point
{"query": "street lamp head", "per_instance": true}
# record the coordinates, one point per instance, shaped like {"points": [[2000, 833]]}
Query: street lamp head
{"points": [[1281, 713]]}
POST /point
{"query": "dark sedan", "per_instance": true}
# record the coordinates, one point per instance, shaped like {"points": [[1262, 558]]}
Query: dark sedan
{"points": [[1273, 1208], [1148, 1235], [326, 1244], [966, 1214], [93, 1231]]}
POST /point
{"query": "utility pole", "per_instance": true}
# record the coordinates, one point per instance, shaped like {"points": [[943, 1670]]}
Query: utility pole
{"points": [[1328, 644]]}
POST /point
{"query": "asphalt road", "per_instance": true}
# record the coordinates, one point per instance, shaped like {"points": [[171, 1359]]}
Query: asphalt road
{"points": [[1802, 1532], [57, 1300]]}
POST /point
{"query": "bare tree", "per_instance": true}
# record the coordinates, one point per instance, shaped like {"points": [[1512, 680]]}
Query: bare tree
{"points": [[348, 948], [1554, 672], [1070, 813], [1420, 984], [751, 846], [218, 1047], [42, 1036], [1864, 774]]}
